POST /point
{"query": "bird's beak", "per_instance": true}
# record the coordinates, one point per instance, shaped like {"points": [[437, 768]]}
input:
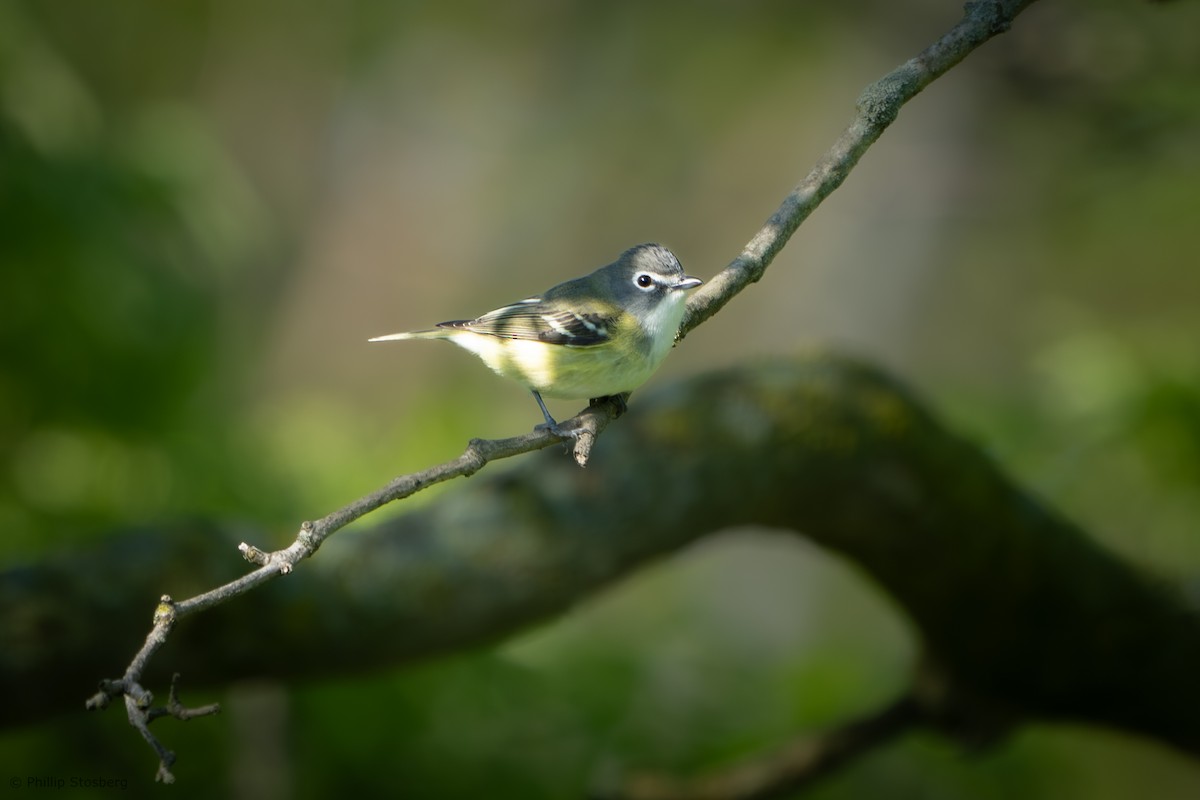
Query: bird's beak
{"points": [[688, 282]]}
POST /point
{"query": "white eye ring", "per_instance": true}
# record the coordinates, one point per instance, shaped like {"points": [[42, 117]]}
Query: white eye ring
{"points": [[643, 281]]}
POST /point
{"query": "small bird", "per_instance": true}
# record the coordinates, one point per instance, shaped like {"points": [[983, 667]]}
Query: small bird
{"points": [[599, 335]]}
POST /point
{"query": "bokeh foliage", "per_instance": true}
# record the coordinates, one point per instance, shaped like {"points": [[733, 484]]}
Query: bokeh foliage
{"points": [[205, 207]]}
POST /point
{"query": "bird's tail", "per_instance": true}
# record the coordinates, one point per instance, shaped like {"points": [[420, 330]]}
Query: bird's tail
{"points": [[394, 337]]}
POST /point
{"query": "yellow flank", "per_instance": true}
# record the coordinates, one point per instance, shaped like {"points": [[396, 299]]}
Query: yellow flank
{"points": [[566, 372], [555, 370]]}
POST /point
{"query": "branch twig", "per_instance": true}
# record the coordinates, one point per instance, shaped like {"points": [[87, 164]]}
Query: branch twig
{"points": [[878, 107], [590, 422]]}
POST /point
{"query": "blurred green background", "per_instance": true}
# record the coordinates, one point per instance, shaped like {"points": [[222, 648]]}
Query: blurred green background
{"points": [[208, 206]]}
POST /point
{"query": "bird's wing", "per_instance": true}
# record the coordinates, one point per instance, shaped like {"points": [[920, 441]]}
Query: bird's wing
{"points": [[532, 319]]}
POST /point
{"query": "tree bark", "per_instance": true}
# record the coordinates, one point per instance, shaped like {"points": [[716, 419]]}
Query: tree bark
{"points": [[1017, 608]]}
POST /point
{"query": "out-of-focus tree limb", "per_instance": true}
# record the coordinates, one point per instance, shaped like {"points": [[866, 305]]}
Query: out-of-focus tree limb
{"points": [[780, 773], [1016, 606]]}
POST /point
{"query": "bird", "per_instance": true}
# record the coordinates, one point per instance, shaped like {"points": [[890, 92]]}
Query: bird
{"points": [[599, 335]]}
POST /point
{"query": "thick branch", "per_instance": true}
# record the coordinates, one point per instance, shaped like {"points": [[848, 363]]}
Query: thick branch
{"points": [[1015, 605]]}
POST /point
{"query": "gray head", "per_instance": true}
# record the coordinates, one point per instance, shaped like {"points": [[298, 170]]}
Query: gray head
{"points": [[644, 277]]}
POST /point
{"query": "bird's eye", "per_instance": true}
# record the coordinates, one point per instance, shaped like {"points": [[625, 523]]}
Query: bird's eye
{"points": [[644, 281]]}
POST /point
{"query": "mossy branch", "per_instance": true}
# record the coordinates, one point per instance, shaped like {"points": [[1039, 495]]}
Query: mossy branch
{"points": [[1021, 615]]}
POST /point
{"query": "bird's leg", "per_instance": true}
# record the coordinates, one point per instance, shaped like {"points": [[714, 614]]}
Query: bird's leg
{"points": [[550, 424]]}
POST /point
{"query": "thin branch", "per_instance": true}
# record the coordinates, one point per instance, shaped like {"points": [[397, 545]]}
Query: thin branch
{"points": [[175, 708], [589, 423], [935, 701], [878, 106], [779, 774], [141, 713]]}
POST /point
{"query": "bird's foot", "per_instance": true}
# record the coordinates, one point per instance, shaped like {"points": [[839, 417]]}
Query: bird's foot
{"points": [[550, 426]]}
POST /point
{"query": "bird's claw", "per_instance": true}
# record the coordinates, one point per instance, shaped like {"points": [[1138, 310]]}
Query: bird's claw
{"points": [[558, 430]]}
